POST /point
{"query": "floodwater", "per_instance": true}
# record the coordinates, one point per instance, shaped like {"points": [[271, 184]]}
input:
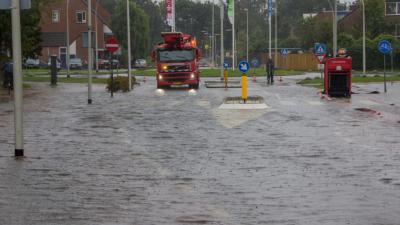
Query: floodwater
{"points": [[172, 157]]}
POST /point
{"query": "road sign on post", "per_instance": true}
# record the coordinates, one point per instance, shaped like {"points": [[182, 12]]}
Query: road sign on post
{"points": [[285, 51], [112, 44], [226, 65], [385, 47], [244, 67], [320, 49], [255, 62], [320, 52]]}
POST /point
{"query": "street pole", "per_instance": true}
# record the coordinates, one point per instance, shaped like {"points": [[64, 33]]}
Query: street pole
{"points": [[233, 36], [364, 45], [222, 39], [270, 28], [335, 29], [212, 37], [68, 53], [97, 42], [17, 68], [129, 43], [173, 16], [384, 72], [247, 34], [276, 34], [90, 51]]}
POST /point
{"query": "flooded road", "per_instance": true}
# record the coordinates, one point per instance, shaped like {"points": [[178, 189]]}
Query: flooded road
{"points": [[172, 157]]}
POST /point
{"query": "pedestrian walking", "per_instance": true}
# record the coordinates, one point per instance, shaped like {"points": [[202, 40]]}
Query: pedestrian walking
{"points": [[7, 70], [270, 71]]}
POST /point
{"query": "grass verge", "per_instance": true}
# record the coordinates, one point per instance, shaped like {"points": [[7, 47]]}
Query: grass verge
{"points": [[317, 82]]}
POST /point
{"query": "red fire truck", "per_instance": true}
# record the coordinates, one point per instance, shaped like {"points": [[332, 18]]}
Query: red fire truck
{"points": [[177, 60]]}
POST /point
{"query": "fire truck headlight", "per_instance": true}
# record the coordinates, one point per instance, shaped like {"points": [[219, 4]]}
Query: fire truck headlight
{"points": [[192, 76], [160, 77], [165, 67]]}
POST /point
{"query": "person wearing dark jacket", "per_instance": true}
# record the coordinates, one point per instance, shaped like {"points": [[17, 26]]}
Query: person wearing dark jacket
{"points": [[270, 71], [7, 70]]}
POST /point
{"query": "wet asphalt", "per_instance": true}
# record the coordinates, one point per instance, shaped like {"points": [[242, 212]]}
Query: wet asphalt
{"points": [[172, 157]]}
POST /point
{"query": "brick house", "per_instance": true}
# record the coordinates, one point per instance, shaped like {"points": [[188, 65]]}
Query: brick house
{"points": [[392, 17], [53, 25]]}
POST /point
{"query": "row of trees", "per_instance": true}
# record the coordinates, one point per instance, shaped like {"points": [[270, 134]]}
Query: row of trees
{"points": [[31, 31], [195, 17]]}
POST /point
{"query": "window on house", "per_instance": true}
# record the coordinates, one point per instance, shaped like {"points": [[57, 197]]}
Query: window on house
{"points": [[81, 16], [55, 16], [391, 8]]}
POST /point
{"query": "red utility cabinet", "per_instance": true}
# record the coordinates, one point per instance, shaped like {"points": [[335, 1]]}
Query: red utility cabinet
{"points": [[337, 79]]}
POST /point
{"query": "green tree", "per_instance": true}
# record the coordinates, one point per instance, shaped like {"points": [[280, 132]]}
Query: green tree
{"points": [[139, 25], [30, 27], [375, 17]]}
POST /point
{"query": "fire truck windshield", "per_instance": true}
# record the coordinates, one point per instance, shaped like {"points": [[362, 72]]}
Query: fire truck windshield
{"points": [[176, 55]]}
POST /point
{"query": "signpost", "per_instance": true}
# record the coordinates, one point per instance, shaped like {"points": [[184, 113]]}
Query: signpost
{"points": [[385, 47], [284, 52], [320, 52], [226, 66], [244, 67], [112, 46], [255, 63]]}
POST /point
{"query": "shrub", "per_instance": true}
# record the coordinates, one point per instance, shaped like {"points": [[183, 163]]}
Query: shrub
{"points": [[120, 84]]}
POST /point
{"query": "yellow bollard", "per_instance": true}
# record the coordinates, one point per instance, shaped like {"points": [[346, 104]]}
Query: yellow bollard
{"points": [[244, 87], [226, 78]]}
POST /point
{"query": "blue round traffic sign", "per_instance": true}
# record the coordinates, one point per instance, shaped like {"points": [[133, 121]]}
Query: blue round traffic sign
{"points": [[385, 47], [226, 65], [255, 62], [244, 66]]}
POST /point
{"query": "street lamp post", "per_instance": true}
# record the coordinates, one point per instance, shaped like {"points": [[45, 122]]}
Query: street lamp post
{"points": [[129, 43], [276, 34], [17, 68], [364, 45], [270, 28], [233, 36], [90, 52], [247, 34], [68, 53], [335, 28], [222, 39], [212, 36], [96, 38]]}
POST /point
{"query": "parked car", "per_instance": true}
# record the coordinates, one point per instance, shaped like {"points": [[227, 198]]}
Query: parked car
{"points": [[203, 63], [75, 63], [105, 64], [32, 63], [140, 63]]}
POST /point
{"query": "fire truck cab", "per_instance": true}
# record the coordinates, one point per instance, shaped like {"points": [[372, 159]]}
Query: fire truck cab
{"points": [[177, 60]]}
